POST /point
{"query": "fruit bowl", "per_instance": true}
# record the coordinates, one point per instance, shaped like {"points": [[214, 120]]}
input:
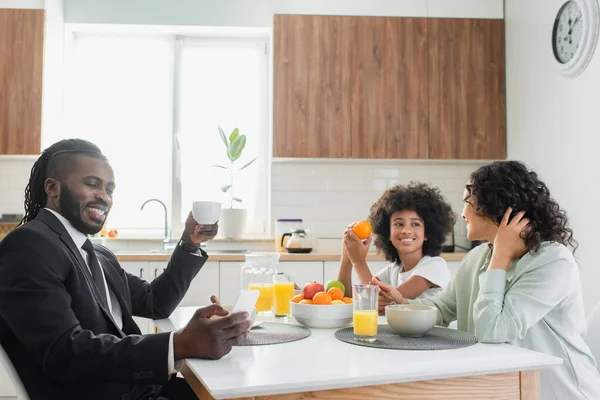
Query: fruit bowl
{"points": [[410, 320], [322, 316]]}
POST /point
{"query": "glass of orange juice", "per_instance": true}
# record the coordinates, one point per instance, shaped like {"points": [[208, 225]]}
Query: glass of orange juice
{"points": [[283, 291], [264, 304], [365, 302]]}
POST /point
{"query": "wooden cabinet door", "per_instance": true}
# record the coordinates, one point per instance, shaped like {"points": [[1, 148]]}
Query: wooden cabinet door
{"points": [[309, 111], [350, 87], [21, 54], [467, 107], [385, 60]]}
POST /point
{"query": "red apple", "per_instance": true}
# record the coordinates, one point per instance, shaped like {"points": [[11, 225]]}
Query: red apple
{"points": [[312, 288]]}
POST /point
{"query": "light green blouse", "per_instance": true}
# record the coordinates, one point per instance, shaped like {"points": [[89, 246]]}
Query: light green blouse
{"points": [[537, 304]]}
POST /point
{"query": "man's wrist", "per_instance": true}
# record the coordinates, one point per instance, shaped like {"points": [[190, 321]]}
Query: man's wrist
{"points": [[188, 246]]}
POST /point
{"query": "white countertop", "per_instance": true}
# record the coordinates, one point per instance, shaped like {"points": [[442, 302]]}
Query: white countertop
{"points": [[322, 362]]}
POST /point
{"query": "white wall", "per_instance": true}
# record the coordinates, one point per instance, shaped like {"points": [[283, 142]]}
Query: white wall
{"points": [[329, 195], [35, 4], [259, 13], [554, 125]]}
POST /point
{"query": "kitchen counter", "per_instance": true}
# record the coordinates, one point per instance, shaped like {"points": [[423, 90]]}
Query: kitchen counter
{"points": [[284, 257], [320, 366]]}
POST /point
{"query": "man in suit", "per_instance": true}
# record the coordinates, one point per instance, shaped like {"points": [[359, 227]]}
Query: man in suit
{"points": [[66, 305]]}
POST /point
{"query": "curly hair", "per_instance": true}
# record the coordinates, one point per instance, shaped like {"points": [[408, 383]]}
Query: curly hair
{"points": [[503, 184], [53, 162], [427, 202]]}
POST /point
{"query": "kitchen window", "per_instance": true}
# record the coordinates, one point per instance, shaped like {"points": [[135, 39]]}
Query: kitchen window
{"points": [[153, 103]]}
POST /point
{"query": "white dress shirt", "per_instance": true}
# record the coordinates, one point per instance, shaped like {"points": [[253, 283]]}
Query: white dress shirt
{"points": [[113, 304]]}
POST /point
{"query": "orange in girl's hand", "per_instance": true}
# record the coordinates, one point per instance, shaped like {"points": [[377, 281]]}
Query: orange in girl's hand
{"points": [[335, 293], [321, 298], [363, 229]]}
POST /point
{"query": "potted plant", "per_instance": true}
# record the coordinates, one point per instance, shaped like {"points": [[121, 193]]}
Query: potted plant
{"points": [[233, 220]]}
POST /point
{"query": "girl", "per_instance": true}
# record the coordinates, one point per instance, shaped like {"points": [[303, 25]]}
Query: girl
{"points": [[523, 287], [410, 224]]}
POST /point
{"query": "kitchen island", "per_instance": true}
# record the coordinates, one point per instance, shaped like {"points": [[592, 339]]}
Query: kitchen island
{"points": [[321, 366]]}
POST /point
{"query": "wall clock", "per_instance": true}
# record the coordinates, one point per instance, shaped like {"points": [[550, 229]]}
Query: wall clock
{"points": [[575, 34]]}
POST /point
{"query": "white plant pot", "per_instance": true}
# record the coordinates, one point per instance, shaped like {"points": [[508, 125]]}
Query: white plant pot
{"points": [[232, 223]]}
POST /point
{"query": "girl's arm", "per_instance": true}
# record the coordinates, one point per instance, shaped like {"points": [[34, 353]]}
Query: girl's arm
{"points": [[345, 273], [428, 273], [414, 286]]}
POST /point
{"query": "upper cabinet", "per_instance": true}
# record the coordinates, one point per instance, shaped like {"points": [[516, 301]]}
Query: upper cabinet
{"points": [[388, 87], [467, 109], [21, 55]]}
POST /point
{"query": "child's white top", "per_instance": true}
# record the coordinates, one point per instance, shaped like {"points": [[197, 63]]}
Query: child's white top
{"points": [[434, 269]]}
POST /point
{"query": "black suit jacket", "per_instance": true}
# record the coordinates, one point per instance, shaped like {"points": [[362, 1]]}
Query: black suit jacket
{"points": [[56, 330]]}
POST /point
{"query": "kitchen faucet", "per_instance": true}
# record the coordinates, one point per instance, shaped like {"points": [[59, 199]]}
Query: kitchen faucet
{"points": [[167, 238]]}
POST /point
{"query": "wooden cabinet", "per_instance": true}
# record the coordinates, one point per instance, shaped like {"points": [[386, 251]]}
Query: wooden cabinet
{"points": [[350, 87], [21, 55], [467, 108], [388, 87]]}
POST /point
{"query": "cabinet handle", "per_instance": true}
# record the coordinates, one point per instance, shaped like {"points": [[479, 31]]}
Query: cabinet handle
{"points": [[155, 271], [141, 270]]}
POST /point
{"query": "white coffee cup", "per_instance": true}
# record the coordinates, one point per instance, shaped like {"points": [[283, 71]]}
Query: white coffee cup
{"points": [[206, 212]]}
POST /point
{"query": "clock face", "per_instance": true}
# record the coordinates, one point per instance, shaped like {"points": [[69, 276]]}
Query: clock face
{"points": [[567, 32]]}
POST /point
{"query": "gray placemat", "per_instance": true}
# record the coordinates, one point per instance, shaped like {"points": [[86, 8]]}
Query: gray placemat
{"points": [[437, 338], [270, 333]]}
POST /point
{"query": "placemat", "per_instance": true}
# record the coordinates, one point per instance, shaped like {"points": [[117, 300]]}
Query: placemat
{"points": [[438, 338], [271, 333]]}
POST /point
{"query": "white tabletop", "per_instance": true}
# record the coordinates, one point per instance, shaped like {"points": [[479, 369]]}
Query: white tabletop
{"points": [[322, 362]]}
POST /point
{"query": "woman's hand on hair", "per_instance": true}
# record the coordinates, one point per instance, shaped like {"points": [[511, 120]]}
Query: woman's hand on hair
{"points": [[509, 243], [355, 248]]}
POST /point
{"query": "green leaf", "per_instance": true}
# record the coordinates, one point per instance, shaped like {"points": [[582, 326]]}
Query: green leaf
{"points": [[224, 138], [237, 199], [234, 134], [248, 163], [225, 188], [235, 150], [219, 166]]}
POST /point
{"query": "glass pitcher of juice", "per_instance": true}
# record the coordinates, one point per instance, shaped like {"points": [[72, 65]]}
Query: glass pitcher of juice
{"points": [[257, 274]]}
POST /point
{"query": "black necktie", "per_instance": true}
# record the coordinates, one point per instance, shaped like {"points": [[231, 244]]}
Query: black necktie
{"points": [[95, 268]]}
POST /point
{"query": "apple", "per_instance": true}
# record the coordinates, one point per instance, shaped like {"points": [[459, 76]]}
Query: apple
{"points": [[334, 283], [312, 288]]}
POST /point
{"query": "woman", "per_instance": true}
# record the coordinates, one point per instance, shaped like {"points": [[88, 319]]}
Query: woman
{"points": [[410, 224], [523, 287]]}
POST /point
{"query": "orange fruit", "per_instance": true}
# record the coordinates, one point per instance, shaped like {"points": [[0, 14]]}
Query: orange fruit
{"points": [[113, 233], [347, 300], [297, 298], [322, 298], [335, 293], [363, 229], [306, 301]]}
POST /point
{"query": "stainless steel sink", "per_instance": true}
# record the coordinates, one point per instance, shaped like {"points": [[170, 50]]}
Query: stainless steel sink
{"points": [[227, 251]]}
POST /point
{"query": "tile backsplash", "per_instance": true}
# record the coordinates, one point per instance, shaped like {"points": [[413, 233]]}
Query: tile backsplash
{"points": [[328, 195], [14, 175]]}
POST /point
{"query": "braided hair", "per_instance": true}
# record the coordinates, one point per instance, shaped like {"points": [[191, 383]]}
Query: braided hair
{"points": [[54, 162]]}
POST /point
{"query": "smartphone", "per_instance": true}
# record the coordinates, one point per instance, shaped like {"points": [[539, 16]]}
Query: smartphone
{"points": [[245, 301]]}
